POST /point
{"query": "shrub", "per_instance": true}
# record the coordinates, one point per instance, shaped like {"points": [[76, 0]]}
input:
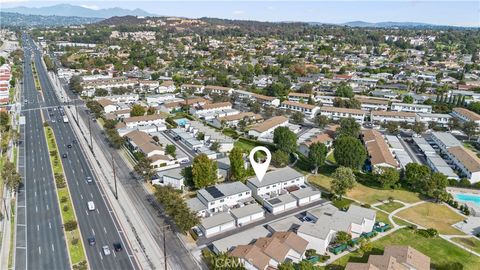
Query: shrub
{"points": [[70, 225], [65, 208], [74, 241], [63, 199], [310, 253], [366, 205]]}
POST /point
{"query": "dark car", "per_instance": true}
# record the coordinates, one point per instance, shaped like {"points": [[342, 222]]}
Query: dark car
{"points": [[74, 141], [64, 156], [91, 241], [69, 146], [117, 247]]}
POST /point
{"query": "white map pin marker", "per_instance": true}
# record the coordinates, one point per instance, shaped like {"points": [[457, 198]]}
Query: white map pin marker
{"points": [[260, 168]]}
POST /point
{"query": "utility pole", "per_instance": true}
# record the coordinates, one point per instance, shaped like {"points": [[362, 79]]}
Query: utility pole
{"points": [[6, 210], [165, 246], [76, 108], [114, 177]]}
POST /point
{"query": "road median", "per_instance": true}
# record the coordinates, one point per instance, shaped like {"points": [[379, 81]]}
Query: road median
{"points": [[72, 232]]}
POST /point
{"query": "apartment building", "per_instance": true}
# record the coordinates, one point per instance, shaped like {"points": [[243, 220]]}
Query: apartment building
{"points": [[268, 126], [466, 115], [145, 120], [378, 151], [406, 107], [440, 119], [335, 113], [308, 110], [299, 97], [392, 116], [372, 104], [394, 258]]}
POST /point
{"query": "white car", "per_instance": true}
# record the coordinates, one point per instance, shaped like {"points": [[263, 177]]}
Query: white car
{"points": [[106, 250], [91, 206]]}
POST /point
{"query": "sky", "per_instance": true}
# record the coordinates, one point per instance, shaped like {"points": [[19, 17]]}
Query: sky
{"points": [[456, 13]]}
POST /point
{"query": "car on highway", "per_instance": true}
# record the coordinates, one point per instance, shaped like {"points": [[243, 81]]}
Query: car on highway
{"points": [[117, 246], [91, 241], [106, 250], [69, 146], [64, 156], [184, 161], [26, 101], [89, 179], [91, 206]]}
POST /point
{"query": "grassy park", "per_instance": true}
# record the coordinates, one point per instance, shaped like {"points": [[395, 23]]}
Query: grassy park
{"points": [[439, 250], [432, 215], [390, 206], [471, 243]]}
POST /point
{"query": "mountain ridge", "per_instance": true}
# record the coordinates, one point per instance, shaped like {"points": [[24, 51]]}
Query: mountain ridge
{"points": [[77, 11]]}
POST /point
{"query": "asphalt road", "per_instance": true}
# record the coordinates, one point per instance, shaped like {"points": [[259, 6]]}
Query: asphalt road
{"points": [[40, 241], [99, 223], [178, 257]]}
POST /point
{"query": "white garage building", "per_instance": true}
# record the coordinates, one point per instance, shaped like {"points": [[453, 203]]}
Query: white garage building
{"points": [[247, 214], [306, 195], [217, 224], [280, 203]]}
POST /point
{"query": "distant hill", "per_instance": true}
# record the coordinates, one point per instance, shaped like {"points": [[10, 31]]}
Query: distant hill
{"points": [[387, 24], [22, 20], [78, 11]]}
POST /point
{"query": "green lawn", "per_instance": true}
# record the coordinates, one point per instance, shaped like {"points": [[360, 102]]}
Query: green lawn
{"points": [[471, 243], [74, 241], [367, 194], [331, 158], [433, 215], [439, 250], [390, 206]]}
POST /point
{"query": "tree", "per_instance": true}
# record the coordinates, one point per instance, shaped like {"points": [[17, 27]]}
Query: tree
{"points": [[344, 90], [10, 175], [316, 155], [392, 127], [342, 237], [151, 110], [321, 120], [285, 139], [387, 176], [171, 150], [200, 136], [415, 174], [215, 146], [454, 124], [434, 186], [470, 129], [343, 179], [365, 246], [144, 168], [95, 108], [349, 127], [100, 92], [279, 159], [286, 265], [349, 152], [418, 127], [137, 110], [4, 119], [204, 171], [176, 208], [237, 167], [407, 99], [298, 117]]}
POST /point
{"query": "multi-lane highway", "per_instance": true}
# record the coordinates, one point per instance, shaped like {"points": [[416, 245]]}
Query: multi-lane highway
{"points": [[101, 223], [40, 241]]}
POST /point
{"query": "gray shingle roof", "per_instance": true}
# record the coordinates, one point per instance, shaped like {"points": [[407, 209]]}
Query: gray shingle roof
{"points": [[228, 189], [276, 176], [216, 220], [246, 210]]}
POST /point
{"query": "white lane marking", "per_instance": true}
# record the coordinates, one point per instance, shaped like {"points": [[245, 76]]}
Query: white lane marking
{"points": [[86, 212], [81, 196], [91, 195], [38, 227], [36, 208], [39, 250], [101, 256], [93, 232], [98, 211], [49, 224], [53, 248], [105, 230], [47, 206], [35, 194]]}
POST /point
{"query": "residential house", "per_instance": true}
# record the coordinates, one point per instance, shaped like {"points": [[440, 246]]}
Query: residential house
{"points": [[394, 258], [267, 126], [378, 151], [406, 107], [166, 87], [391, 116], [335, 113]]}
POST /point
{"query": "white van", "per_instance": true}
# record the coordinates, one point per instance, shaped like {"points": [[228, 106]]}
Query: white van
{"points": [[91, 206]]}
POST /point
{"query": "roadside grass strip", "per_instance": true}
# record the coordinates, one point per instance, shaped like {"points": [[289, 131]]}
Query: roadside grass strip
{"points": [[72, 232]]}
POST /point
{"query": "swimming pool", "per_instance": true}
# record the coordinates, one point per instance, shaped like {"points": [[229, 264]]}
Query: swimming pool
{"points": [[468, 198], [182, 121]]}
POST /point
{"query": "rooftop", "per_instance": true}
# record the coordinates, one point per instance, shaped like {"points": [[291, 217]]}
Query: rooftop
{"points": [[276, 176]]}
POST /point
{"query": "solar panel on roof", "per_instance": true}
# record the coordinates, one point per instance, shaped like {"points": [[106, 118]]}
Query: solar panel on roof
{"points": [[214, 192], [275, 201]]}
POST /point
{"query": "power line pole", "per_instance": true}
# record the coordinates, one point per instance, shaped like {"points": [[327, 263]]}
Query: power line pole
{"points": [[114, 177], [90, 131], [165, 246]]}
